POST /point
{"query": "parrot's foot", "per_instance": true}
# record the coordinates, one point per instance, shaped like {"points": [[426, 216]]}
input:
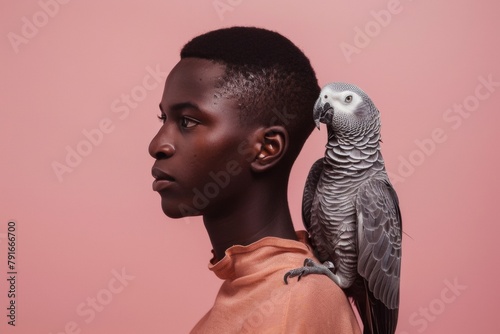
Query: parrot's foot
{"points": [[311, 267]]}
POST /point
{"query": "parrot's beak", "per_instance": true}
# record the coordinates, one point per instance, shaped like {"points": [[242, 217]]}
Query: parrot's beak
{"points": [[316, 120], [317, 124], [318, 108], [322, 113]]}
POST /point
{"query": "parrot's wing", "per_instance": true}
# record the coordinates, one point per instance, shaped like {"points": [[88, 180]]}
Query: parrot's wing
{"points": [[310, 191], [379, 240]]}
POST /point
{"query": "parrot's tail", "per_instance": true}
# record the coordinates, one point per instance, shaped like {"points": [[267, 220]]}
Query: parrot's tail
{"points": [[376, 317]]}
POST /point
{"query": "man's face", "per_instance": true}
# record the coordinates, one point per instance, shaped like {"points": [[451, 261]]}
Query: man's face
{"points": [[200, 150]]}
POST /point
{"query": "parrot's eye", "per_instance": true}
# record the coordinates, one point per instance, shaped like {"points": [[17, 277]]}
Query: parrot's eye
{"points": [[348, 98]]}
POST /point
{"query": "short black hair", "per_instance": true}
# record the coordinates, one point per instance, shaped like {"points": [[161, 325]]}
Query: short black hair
{"points": [[270, 77]]}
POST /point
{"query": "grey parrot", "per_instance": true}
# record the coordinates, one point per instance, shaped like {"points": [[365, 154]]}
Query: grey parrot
{"points": [[351, 211]]}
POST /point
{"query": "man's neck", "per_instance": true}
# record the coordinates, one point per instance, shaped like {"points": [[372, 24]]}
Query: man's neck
{"points": [[262, 214]]}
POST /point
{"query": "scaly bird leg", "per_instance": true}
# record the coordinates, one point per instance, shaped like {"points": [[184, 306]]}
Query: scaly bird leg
{"points": [[311, 267]]}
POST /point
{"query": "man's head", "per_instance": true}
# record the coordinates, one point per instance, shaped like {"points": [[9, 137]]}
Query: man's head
{"points": [[237, 105], [268, 75]]}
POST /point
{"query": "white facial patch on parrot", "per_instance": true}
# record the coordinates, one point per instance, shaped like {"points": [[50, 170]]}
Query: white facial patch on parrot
{"points": [[342, 102]]}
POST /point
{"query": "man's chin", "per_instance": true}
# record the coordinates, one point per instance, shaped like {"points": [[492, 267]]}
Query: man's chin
{"points": [[178, 211]]}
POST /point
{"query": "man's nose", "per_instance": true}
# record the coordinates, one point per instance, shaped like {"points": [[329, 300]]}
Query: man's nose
{"points": [[161, 147]]}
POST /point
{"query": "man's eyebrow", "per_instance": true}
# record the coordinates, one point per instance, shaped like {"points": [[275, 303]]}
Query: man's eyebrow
{"points": [[181, 106]]}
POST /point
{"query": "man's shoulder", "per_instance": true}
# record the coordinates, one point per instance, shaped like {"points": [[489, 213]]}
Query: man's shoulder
{"points": [[315, 304], [311, 291], [265, 304], [317, 288]]}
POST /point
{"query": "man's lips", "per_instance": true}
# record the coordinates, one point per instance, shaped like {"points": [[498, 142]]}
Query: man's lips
{"points": [[162, 179]]}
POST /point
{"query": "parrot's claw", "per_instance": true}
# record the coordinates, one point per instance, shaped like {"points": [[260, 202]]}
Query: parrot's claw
{"points": [[310, 267]]}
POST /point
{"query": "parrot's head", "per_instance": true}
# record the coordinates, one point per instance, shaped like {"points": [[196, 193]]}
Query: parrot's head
{"points": [[346, 109]]}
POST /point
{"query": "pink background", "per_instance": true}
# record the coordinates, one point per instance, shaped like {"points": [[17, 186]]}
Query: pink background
{"points": [[69, 73]]}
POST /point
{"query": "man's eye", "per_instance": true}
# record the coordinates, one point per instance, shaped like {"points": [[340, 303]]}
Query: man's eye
{"points": [[162, 117], [188, 122]]}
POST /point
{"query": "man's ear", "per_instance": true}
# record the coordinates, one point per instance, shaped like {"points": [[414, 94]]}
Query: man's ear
{"points": [[273, 142]]}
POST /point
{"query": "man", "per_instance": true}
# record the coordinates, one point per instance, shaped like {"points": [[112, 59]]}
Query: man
{"points": [[236, 111]]}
